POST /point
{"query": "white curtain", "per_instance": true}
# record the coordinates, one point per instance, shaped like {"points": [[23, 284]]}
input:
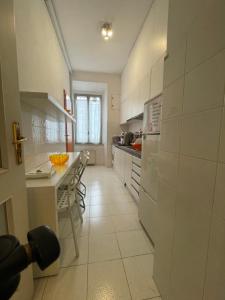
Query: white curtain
{"points": [[88, 115]]}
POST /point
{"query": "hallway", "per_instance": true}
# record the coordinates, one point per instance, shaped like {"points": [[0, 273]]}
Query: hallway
{"points": [[116, 257]]}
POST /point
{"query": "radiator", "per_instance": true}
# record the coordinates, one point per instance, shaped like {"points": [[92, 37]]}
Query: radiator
{"points": [[92, 157]]}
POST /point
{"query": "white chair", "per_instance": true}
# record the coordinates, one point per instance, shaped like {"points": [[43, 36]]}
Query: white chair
{"points": [[80, 187], [67, 200], [78, 172]]}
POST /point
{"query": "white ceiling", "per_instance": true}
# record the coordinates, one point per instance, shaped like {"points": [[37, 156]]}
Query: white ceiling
{"points": [[81, 20]]}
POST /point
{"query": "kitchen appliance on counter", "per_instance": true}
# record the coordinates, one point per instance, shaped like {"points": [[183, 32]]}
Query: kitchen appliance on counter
{"points": [[138, 134], [115, 139], [126, 138], [149, 169]]}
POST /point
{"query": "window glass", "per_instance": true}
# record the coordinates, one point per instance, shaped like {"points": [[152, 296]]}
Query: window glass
{"points": [[82, 119], [88, 117], [94, 120]]}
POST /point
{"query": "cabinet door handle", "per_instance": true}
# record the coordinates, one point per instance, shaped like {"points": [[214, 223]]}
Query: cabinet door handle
{"points": [[20, 140]]}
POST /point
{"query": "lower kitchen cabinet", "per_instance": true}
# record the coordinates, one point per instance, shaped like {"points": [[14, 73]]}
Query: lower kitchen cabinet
{"points": [[128, 169], [122, 165], [135, 178], [118, 163]]}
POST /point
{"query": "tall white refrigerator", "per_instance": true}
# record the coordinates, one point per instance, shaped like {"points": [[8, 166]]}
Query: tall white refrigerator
{"points": [[149, 170]]}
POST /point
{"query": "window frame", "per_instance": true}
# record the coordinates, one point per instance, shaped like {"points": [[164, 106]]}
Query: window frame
{"points": [[101, 129]]}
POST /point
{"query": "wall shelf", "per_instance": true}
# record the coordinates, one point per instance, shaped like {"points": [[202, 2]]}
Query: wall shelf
{"points": [[46, 104]]}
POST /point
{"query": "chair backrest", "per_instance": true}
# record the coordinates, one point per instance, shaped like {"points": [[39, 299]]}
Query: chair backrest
{"points": [[65, 193], [84, 157]]}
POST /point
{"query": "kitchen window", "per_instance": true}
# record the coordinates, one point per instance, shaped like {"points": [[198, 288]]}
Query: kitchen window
{"points": [[89, 119]]}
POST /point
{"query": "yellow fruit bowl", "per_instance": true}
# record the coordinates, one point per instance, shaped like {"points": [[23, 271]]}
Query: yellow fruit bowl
{"points": [[58, 159]]}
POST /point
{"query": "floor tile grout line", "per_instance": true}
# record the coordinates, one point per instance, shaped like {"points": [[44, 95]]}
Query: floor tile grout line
{"points": [[115, 232], [155, 297], [88, 258], [124, 268], [122, 259], [45, 287], [117, 246], [106, 260]]}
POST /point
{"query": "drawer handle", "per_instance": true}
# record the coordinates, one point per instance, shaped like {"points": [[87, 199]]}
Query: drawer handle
{"points": [[134, 189], [135, 180], [139, 175]]}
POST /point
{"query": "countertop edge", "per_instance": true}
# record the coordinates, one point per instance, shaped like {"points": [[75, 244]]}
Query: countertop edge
{"points": [[129, 150]]}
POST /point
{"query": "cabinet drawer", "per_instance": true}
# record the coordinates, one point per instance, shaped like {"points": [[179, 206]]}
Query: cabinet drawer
{"points": [[134, 193], [136, 177], [135, 185], [136, 169], [137, 161]]}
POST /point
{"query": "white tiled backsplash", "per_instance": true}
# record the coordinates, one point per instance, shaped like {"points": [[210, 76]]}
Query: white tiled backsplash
{"points": [[45, 133], [134, 126]]}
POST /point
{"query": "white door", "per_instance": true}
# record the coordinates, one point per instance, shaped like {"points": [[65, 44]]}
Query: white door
{"points": [[13, 202]]}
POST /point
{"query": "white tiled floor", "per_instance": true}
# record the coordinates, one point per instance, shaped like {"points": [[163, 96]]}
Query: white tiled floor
{"points": [[116, 257]]}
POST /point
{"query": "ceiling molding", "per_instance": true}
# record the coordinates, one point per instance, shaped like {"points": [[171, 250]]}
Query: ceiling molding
{"points": [[55, 22]]}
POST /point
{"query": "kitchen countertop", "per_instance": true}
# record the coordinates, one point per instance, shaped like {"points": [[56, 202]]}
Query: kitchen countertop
{"points": [[129, 150]]}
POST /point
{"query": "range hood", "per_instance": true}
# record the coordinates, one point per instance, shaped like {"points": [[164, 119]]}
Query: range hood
{"points": [[137, 117]]}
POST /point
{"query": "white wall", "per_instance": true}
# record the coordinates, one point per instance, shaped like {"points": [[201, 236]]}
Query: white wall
{"points": [[190, 245], [144, 60], [41, 64], [111, 115], [42, 137], [133, 126]]}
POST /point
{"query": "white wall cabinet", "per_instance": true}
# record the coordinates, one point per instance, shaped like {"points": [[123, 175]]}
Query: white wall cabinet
{"points": [[124, 111], [143, 75]]}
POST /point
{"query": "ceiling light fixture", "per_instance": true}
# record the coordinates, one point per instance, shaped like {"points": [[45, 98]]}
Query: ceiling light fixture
{"points": [[107, 31]]}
